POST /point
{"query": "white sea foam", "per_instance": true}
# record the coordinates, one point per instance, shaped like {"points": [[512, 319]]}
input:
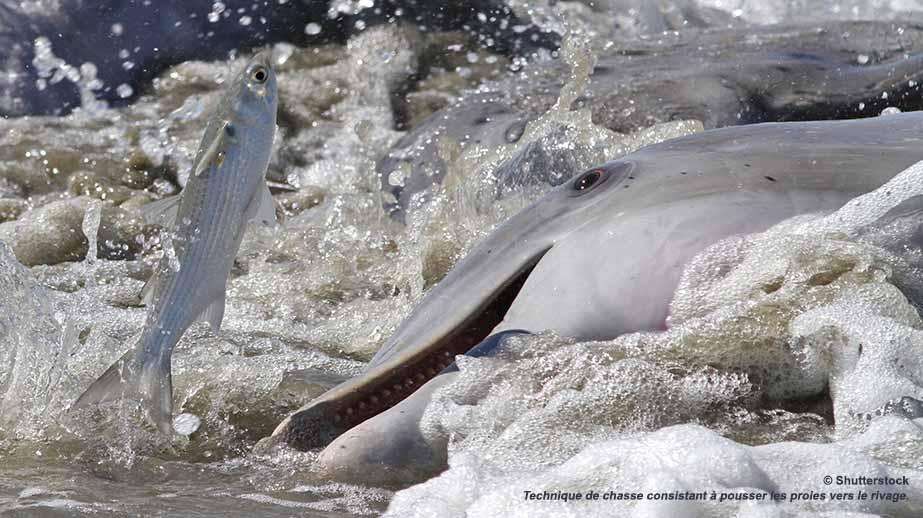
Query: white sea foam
{"points": [[816, 305]]}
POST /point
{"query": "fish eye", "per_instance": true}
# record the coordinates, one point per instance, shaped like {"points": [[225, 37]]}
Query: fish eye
{"points": [[259, 74], [588, 180]]}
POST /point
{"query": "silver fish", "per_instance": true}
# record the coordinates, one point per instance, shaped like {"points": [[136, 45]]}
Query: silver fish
{"points": [[225, 191]]}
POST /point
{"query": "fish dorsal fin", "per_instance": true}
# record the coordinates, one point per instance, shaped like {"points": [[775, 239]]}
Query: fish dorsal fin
{"points": [[214, 313], [162, 212], [214, 153], [266, 210]]}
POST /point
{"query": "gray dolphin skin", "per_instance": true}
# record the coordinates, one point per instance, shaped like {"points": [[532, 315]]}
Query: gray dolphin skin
{"points": [[225, 191], [598, 256], [775, 74]]}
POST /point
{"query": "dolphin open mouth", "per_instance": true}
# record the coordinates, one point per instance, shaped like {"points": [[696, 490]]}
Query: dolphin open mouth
{"points": [[379, 389]]}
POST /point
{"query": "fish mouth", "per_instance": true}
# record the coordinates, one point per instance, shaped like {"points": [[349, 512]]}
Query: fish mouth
{"points": [[378, 389]]}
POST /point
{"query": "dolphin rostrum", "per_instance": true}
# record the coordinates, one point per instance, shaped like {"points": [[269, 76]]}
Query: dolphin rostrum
{"points": [[599, 256]]}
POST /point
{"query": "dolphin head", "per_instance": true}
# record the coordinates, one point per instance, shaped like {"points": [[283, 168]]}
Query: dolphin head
{"points": [[565, 207], [465, 306], [462, 310], [599, 256]]}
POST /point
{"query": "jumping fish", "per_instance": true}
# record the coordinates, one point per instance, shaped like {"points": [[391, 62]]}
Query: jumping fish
{"points": [[226, 190]]}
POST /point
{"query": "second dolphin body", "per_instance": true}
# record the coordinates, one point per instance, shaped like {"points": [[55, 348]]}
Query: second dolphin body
{"points": [[225, 191]]}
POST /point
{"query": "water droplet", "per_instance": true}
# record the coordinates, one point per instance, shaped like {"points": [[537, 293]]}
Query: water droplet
{"points": [[215, 14], [186, 424], [399, 176], [312, 29], [890, 110], [90, 227], [88, 71]]}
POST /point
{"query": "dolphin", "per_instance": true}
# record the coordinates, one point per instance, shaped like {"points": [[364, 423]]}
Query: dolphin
{"points": [[599, 256], [776, 74]]}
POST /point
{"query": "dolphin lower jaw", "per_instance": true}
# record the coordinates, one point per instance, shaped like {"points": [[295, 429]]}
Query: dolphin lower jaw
{"points": [[346, 406], [325, 420]]}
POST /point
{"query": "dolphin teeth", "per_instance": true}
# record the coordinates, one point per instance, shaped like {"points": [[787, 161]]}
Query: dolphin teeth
{"points": [[397, 387], [337, 418], [408, 382], [349, 411], [385, 393], [430, 372], [374, 400], [420, 377], [362, 405]]}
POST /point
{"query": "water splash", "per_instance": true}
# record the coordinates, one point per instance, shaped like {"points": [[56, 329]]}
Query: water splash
{"points": [[51, 70], [816, 301]]}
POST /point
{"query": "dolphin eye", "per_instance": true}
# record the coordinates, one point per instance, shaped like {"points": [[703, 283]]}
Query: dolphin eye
{"points": [[588, 180], [605, 176], [259, 74]]}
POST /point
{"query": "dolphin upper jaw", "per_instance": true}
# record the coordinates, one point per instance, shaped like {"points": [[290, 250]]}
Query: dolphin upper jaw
{"points": [[463, 309], [413, 362]]}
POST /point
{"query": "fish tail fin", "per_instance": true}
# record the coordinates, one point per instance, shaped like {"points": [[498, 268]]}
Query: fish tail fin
{"points": [[141, 375]]}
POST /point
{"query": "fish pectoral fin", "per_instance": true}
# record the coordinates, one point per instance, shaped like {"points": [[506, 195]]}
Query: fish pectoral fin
{"points": [[266, 210], [214, 314], [161, 212], [214, 153]]}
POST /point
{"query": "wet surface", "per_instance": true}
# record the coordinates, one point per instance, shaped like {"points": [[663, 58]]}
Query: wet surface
{"points": [[765, 344]]}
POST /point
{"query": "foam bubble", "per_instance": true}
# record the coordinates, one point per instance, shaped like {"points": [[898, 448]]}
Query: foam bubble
{"points": [[814, 311]]}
